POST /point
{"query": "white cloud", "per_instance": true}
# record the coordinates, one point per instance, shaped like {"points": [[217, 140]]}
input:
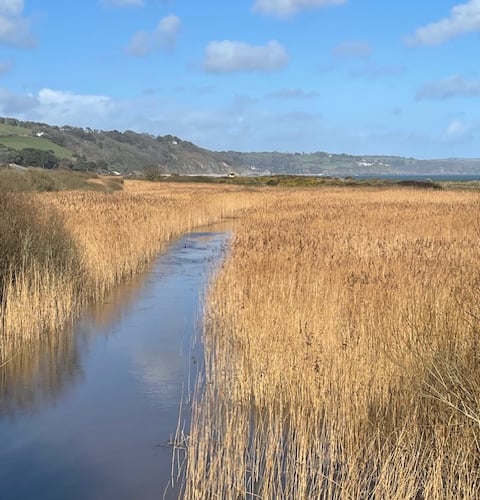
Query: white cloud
{"points": [[62, 98], [123, 3], [286, 8], [454, 86], [65, 107], [456, 128], [14, 29], [59, 107], [223, 127], [163, 38], [228, 56], [235, 125], [352, 49], [464, 18]]}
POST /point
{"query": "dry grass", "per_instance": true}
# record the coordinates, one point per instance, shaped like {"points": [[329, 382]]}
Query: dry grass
{"points": [[342, 355], [114, 236]]}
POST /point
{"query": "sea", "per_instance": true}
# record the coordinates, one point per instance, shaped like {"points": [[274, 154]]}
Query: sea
{"points": [[423, 177]]}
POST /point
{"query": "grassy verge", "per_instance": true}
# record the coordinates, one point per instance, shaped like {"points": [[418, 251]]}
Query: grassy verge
{"points": [[342, 354]]}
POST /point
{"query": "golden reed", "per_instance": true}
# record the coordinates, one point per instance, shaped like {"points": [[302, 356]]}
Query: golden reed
{"points": [[115, 236], [342, 351]]}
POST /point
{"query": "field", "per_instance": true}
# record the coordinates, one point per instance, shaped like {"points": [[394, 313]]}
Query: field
{"points": [[13, 130], [342, 354], [36, 143]]}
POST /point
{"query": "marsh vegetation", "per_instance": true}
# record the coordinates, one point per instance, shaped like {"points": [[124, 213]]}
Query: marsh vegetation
{"points": [[60, 250], [342, 355], [341, 335]]}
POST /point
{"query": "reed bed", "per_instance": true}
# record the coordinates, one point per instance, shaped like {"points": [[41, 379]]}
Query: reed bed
{"points": [[342, 351], [71, 247]]}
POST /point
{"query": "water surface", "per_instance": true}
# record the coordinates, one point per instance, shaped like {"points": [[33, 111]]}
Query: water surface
{"points": [[89, 414], [422, 177]]}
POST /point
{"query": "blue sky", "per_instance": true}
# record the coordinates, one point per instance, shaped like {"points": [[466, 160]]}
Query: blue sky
{"points": [[343, 76]]}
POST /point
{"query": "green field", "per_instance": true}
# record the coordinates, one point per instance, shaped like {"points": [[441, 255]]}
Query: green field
{"points": [[19, 143], [13, 130]]}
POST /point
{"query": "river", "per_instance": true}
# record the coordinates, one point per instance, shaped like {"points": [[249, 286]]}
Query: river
{"points": [[90, 413]]}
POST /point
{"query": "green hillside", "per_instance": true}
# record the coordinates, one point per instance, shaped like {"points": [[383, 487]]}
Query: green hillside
{"points": [[113, 151], [20, 142], [79, 148], [7, 129]]}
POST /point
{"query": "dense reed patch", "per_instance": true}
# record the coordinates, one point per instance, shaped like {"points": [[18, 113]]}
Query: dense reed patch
{"points": [[40, 271], [62, 249], [342, 351]]}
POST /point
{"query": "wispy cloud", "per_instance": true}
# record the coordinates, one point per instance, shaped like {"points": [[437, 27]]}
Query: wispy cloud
{"points": [[456, 128], [123, 3], [11, 7], [355, 49], [163, 38], [292, 94], [168, 29], [230, 56], [453, 86], [464, 18], [373, 71], [358, 56], [5, 67], [285, 8], [14, 28], [297, 116]]}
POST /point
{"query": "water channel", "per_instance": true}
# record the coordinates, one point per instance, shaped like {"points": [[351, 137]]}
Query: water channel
{"points": [[89, 414]]}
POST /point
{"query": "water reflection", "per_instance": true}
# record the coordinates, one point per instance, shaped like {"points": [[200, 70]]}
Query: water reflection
{"points": [[42, 372], [82, 416]]}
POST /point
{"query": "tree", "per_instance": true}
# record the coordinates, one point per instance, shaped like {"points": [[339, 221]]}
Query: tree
{"points": [[154, 172], [31, 157], [151, 172]]}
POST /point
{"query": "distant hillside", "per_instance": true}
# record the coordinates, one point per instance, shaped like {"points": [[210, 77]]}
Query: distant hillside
{"points": [[87, 149], [39, 144], [344, 165]]}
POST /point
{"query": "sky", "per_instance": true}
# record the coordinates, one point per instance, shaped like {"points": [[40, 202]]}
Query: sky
{"points": [[341, 76]]}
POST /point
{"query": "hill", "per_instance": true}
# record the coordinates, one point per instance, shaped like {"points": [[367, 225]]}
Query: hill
{"points": [[87, 149], [321, 163], [38, 144]]}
